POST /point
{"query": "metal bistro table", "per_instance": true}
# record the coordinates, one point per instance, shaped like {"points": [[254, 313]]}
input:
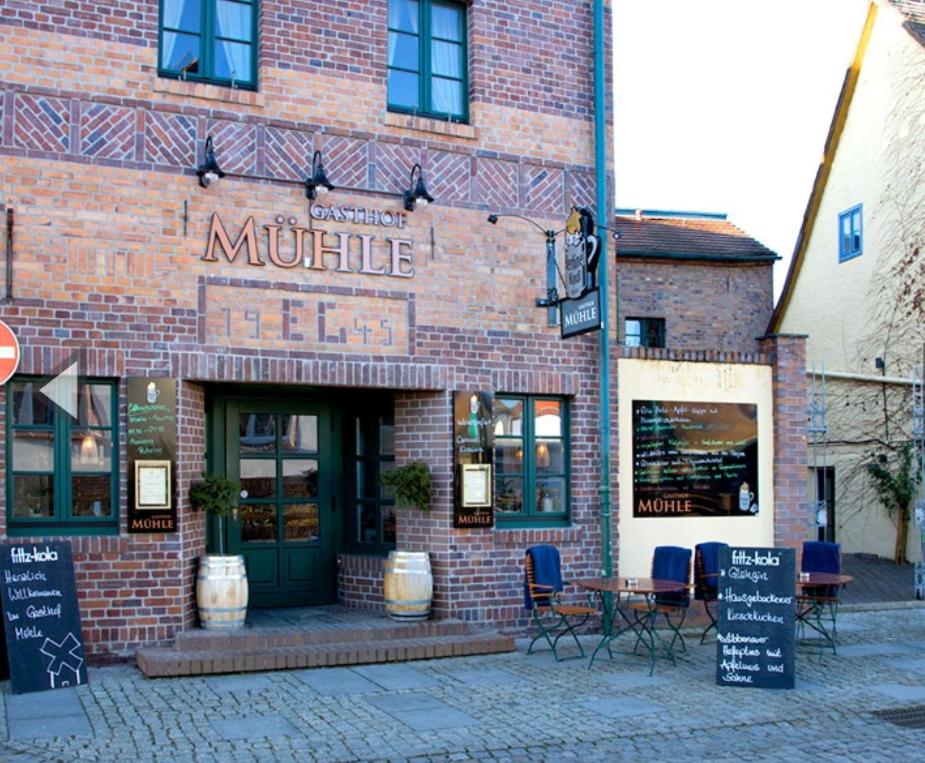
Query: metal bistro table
{"points": [[616, 620], [817, 607]]}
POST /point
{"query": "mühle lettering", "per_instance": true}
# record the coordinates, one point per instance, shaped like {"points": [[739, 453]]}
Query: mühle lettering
{"points": [[290, 245]]}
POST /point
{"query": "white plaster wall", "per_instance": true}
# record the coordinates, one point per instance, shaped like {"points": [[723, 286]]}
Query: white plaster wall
{"points": [[696, 382]]}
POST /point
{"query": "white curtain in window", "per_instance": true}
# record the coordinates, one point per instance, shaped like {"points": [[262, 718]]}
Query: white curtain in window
{"points": [[234, 20], [173, 12]]}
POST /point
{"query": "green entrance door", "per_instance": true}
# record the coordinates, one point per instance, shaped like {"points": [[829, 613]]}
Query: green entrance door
{"points": [[282, 453]]}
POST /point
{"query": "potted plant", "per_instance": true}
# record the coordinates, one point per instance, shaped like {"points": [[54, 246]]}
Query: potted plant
{"points": [[408, 580], [221, 585]]}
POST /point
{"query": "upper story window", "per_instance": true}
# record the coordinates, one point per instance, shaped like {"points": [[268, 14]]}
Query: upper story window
{"points": [[644, 332], [531, 461], [209, 41], [850, 233], [63, 476], [427, 58]]}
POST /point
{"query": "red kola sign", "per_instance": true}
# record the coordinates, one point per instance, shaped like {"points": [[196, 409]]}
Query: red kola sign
{"points": [[9, 353]]}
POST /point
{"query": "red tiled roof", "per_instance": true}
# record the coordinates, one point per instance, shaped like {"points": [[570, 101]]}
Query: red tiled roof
{"points": [[690, 237]]}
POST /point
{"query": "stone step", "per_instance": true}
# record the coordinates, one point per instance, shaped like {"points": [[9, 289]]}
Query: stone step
{"points": [[267, 638], [158, 662]]}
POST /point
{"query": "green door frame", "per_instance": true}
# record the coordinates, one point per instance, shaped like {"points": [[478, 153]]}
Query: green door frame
{"points": [[222, 440]]}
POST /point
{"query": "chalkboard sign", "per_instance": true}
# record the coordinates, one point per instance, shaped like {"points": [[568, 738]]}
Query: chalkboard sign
{"points": [[151, 445], [695, 459], [40, 616], [756, 617], [473, 444]]}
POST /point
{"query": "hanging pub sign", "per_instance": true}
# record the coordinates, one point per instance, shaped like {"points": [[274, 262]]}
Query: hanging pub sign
{"points": [[580, 311], [473, 453], [695, 459], [152, 455]]}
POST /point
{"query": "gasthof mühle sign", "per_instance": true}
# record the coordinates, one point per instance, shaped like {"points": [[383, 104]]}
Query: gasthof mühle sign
{"points": [[755, 630], [695, 459], [41, 619]]}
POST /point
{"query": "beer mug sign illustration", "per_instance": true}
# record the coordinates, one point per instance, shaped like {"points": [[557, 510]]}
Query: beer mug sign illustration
{"points": [[581, 247]]}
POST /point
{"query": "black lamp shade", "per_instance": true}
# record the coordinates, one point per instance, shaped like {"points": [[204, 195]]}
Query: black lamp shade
{"points": [[209, 170]]}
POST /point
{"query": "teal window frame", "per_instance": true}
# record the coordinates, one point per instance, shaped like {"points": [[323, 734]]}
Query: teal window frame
{"points": [[851, 233], [62, 522], [370, 416], [425, 67], [531, 516], [207, 38]]}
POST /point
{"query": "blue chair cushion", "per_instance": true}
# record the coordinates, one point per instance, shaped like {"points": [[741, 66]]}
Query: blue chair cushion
{"points": [[672, 563], [708, 554], [547, 570]]}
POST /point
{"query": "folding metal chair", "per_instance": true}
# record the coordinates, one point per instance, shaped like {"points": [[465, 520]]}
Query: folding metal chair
{"points": [[706, 579], [668, 563]]}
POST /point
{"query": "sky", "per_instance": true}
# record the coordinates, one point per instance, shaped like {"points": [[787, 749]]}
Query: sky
{"points": [[724, 106]]}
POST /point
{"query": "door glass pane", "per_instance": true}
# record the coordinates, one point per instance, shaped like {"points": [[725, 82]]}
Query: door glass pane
{"points": [[29, 407], [367, 523], [233, 20], [403, 51], [258, 523], [300, 433], [508, 417], [257, 433], [180, 52], [365, 486], [258, 477], [447, 96], [386, 436], [301, 521], [94, 405], [509, 455], [403, 14], [550, 457], [33, 495], [403, 89], [509, 495], [300, 478], [385, 491], [91, 495], [446, 21], [550, 496], [182, 14], [91, 450], [388, 524], [33, 450], [232, 60]]}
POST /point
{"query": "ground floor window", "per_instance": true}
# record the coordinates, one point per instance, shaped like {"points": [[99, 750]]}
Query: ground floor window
{"points": [[531, 460], [370, 525], [63, 472]]}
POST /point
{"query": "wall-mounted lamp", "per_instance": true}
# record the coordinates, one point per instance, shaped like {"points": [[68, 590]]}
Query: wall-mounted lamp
{"points": [[209, 171], [318, 182], [416, 193]]}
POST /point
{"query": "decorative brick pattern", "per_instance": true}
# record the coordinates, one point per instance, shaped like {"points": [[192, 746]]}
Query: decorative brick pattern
{"points": [[170, 140], [448, 176], [497, 184], [43, 124], [235, 146], [107, 132], [543, 189], [580, 190], [346, 160], [393, 165], [288, 153]]}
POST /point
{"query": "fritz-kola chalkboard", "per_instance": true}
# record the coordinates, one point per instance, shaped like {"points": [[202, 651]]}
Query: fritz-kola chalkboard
{"points": [[756, 617], [40, 616], [695, 459]]}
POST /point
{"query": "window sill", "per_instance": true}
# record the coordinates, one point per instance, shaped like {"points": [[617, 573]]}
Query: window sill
{"points": [[428, 124], [209, 92]]}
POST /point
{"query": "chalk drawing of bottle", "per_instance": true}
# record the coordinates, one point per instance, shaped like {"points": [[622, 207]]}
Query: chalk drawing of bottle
{"points": [[746, 498], [152, 392]]}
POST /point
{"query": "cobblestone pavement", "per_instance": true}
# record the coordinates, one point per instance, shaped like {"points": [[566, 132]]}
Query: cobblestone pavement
{"points": [[513, 707]]}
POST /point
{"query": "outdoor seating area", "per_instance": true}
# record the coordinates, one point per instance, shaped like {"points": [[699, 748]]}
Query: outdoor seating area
{"points": [[651, 612]]}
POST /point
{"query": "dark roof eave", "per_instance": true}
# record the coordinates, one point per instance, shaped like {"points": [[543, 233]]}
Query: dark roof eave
{"points": [[690, 257]]}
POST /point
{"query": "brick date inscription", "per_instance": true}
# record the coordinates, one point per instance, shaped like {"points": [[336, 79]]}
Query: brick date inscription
{"points": [[266, 319]]}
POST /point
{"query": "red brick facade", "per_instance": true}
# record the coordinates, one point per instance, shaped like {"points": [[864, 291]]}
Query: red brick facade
{"points": [[98, 157]]}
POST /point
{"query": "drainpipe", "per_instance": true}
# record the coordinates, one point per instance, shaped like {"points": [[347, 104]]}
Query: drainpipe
{"points": [[603, 222]]}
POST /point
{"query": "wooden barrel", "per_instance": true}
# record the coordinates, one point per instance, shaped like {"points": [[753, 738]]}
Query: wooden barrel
{"points": [[408, 585], [221, 592]]}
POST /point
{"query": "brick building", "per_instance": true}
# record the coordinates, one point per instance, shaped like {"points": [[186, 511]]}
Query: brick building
{"points": [[309, 343]]}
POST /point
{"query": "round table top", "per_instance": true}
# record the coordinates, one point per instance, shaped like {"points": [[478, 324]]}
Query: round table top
{"points": [[631, 585]]}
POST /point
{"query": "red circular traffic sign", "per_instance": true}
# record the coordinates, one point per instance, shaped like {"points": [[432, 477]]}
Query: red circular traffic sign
{"points": [[9, 353]]}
